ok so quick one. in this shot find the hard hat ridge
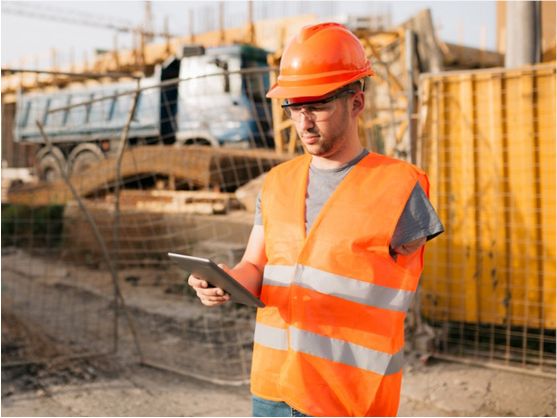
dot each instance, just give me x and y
(307, 31)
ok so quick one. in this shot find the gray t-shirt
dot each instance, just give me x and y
(418, 219)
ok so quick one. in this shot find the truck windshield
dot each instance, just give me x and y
(217, 82)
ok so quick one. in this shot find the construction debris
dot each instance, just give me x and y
(197, 167)
(199, 202)
(247, 194)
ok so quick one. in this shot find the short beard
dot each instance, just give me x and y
(326, 147)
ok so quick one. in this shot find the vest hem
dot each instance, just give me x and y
(309, 413)
(268, 398)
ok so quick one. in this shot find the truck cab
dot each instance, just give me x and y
(222, 98)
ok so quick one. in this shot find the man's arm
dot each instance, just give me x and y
(417, 224)
(249, 271)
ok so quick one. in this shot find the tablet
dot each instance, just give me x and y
(207, 270)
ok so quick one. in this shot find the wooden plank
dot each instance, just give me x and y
(545, 116)
(402, 128)
(493, 269)
(434, 289)
(202, 202)
(424, 118)
(467, 57)
(521, 186)
(374, 51)
(465, 204)
(531, 205)
(488, 72)
(445, 194)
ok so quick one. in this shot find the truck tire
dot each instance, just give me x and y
(84, 156)
(198, 141)
(48, 168)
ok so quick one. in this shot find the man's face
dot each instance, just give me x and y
(322, 128)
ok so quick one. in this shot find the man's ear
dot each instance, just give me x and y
(358, 103)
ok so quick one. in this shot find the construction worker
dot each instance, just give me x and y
(337, 246)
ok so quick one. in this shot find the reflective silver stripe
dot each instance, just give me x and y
(271, 337)
(355, 290)
(278, 275)
(346, 353)
(339, 286)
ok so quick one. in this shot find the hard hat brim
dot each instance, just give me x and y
(318, 90)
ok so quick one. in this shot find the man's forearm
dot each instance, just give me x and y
(249, 275)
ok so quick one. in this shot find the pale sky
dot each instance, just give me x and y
(24, 37)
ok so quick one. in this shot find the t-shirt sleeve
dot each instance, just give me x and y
(258, 219)
(418, 220)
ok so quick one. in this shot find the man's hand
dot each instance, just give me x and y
(249, 272)
(209, 296)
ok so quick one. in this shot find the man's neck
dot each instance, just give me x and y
(338, 159)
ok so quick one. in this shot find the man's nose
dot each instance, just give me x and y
(306, 121)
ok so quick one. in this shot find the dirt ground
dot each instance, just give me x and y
(442, 389)
(117, 385)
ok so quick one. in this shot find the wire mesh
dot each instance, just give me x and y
(166, 191)
(169, 191)
(40, 291)
(488, 143)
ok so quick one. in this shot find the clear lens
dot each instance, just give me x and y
(314, 112)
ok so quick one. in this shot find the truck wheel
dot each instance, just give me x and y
(48, 168)
(83, 161)
(84, 156)
(198, 141)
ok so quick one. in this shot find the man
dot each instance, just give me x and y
(337, 247)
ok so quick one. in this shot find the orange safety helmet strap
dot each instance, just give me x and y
(319, 60)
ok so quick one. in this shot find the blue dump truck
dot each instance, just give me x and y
(213, 96)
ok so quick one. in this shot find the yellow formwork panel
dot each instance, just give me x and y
(545, 83)
(436, 290)
(490, 214)
(522, 223)
(463, 199)
(488, 145)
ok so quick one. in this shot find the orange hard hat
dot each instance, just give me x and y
(319, 60)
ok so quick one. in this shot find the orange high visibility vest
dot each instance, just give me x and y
(330, 340)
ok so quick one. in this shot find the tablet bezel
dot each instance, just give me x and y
(207, 270)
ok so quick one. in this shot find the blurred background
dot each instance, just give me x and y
(131, 129)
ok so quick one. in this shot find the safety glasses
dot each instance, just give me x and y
(316, 111)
